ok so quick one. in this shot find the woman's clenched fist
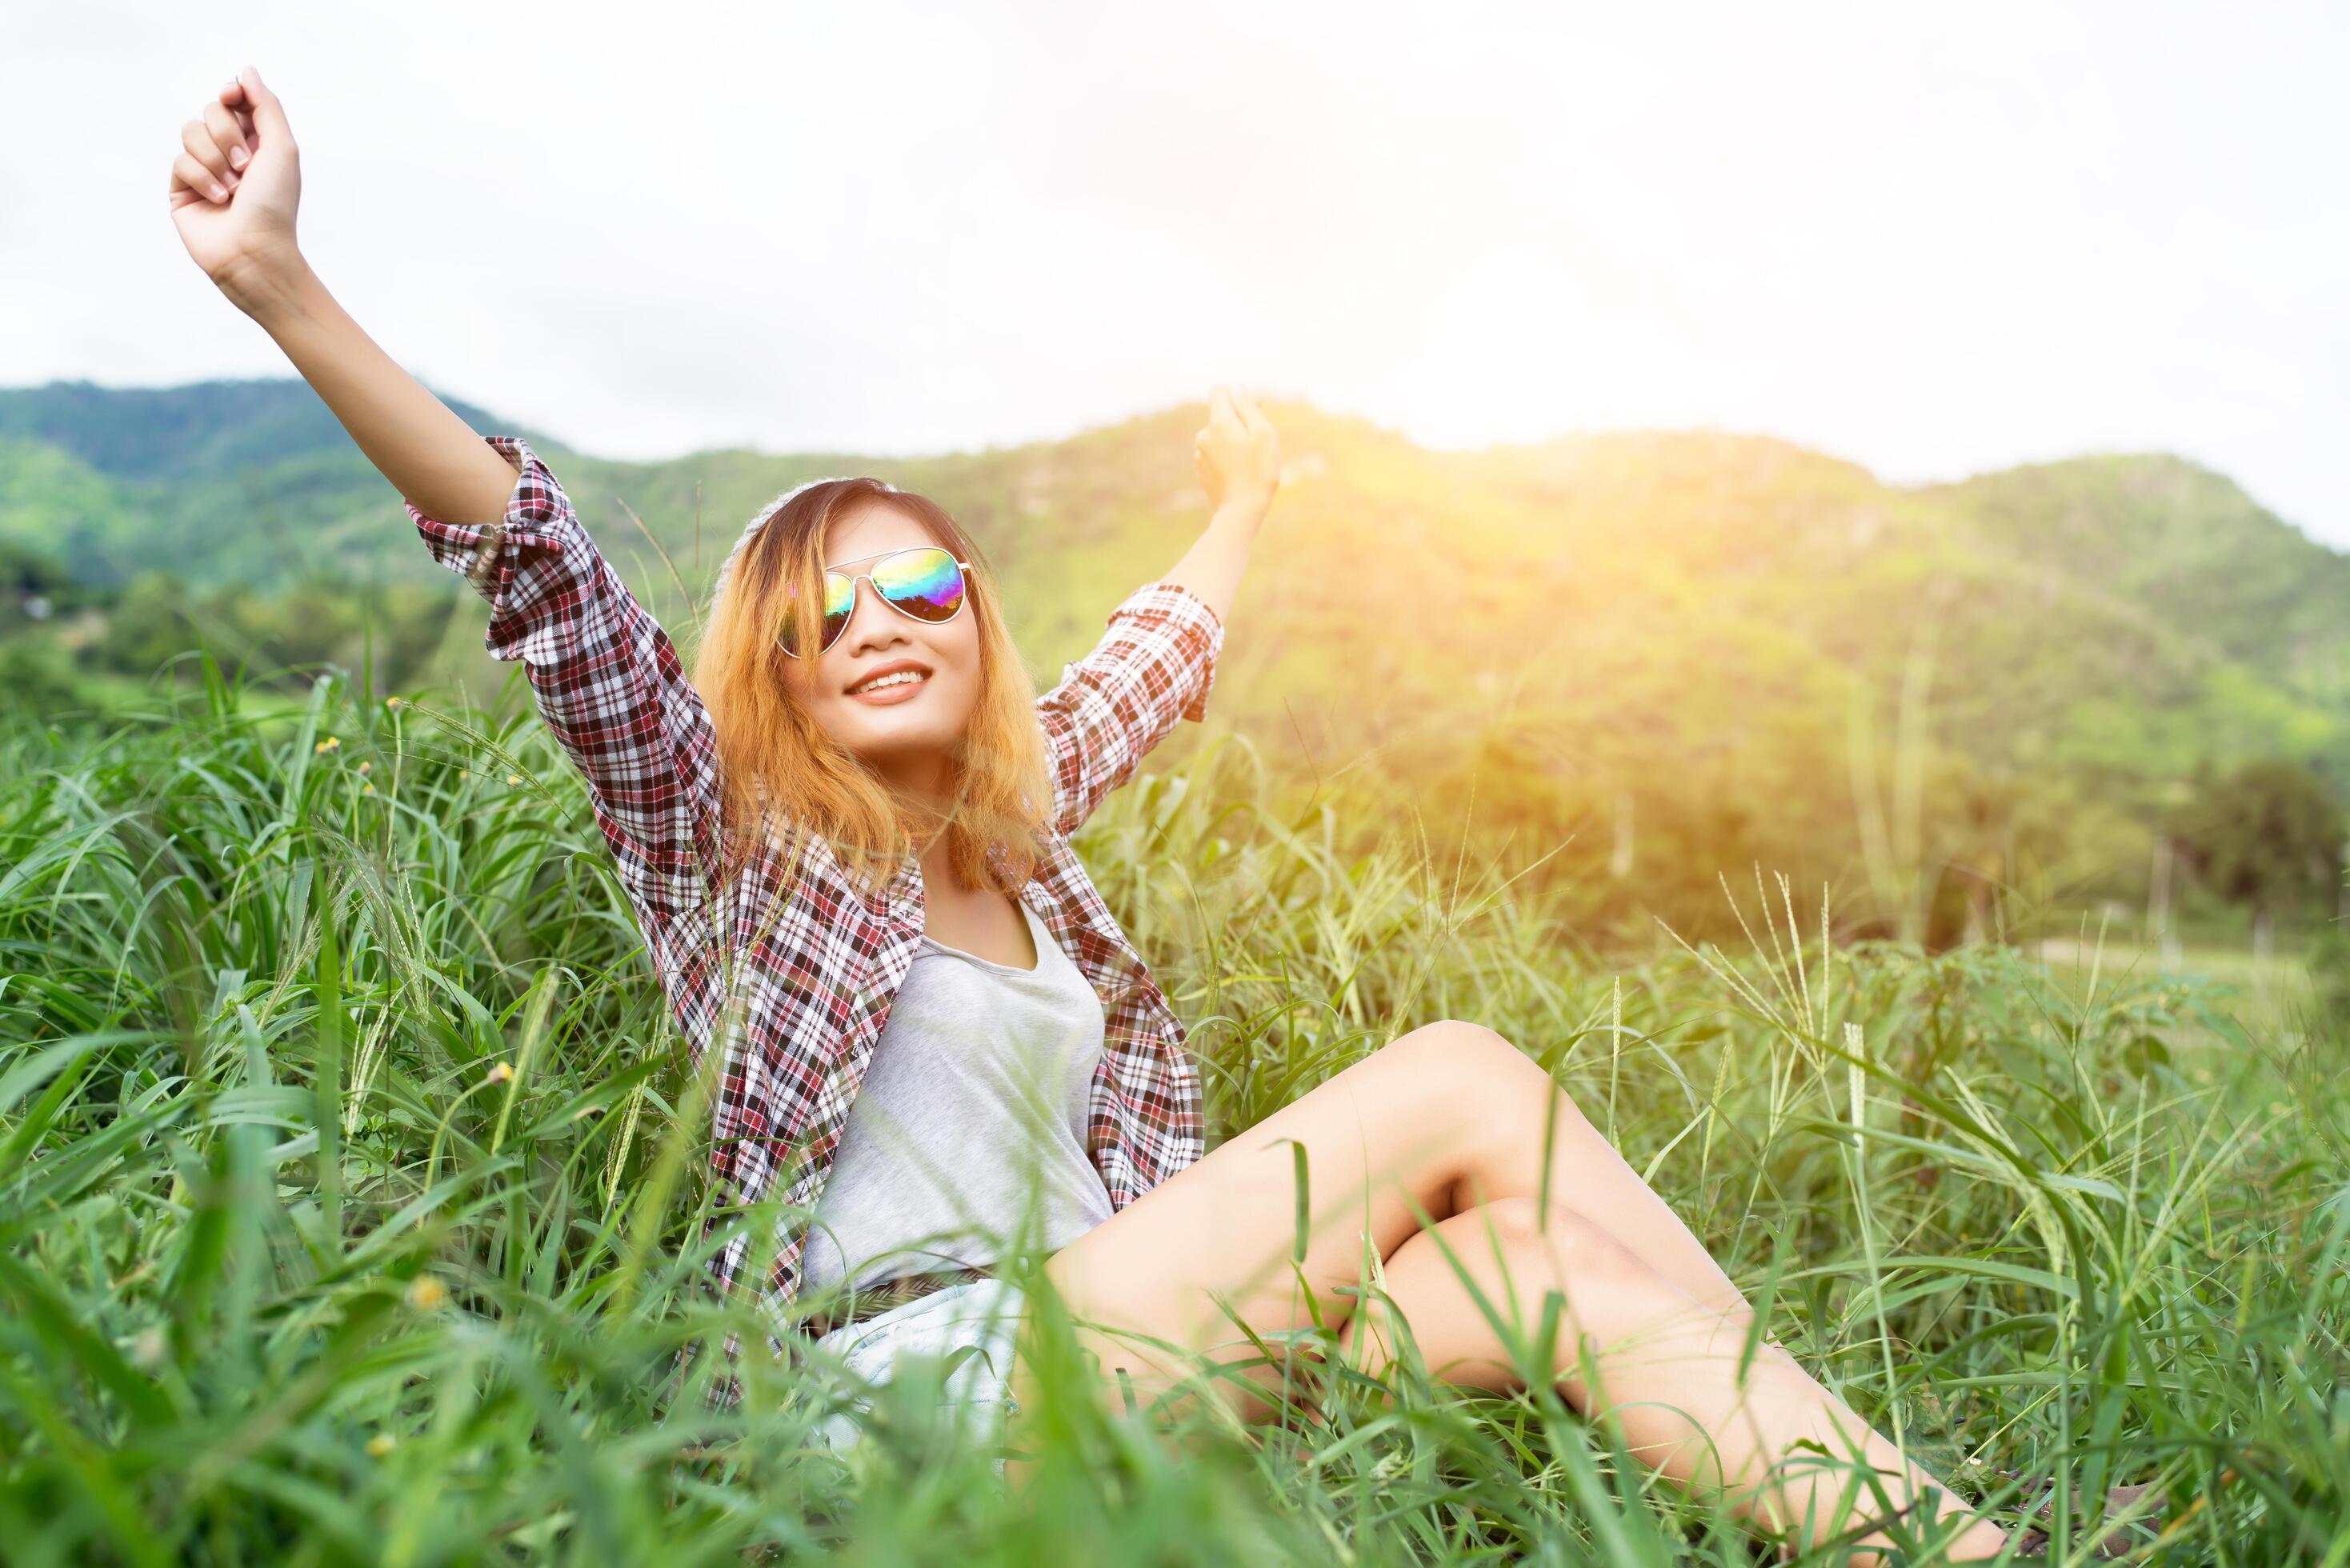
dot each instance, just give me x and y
(234, 187)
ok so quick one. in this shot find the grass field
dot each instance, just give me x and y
(348, 1181)
(2269, 995)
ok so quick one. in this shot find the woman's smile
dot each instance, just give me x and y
(892, 682)
(891, 693)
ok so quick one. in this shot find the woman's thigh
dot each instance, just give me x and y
(1405, 1131)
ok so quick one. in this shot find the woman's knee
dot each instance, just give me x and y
(1510, 1096)
(1454, 1053)
(1564, 1242)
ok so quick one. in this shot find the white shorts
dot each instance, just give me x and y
(976, 1322)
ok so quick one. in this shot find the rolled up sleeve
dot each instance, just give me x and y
(610, 685)
(1154, 667)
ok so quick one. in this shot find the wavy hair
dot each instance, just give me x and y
(783, 774)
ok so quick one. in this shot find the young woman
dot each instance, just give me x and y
(847, 841)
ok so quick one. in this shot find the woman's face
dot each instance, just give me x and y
(904, 731)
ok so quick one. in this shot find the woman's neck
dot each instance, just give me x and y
(938, 865)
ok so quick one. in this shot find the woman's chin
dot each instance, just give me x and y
(888, 748)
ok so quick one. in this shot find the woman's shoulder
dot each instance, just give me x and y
(790, 862)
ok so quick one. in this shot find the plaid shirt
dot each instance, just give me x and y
(806, 967)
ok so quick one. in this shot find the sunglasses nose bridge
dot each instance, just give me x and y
(870, 592)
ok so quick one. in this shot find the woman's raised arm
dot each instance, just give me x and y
(606, 678)
(1157, 662)
(1237, 455)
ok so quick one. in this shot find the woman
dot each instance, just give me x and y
(836, 796)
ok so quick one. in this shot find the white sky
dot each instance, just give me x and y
(1934, 240)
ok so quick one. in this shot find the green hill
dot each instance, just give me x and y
(1685, 651)
(250, 482)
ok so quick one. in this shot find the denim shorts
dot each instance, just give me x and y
(980, 1318)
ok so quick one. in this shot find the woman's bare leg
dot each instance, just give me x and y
(1674, 1376)
(1442, 1119)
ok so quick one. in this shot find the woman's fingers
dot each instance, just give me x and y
(190, 182)
(238, 162)
(227, 135)
(270, 130)
(198, 141)
(239, 108)
(1236, 404)
(239, 103)
(199, 182)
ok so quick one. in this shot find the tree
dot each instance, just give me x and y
(2269, 834)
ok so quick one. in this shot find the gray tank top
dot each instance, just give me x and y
(967, 1136)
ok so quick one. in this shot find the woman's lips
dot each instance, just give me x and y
(890, 696)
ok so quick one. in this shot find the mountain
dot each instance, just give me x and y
(208, 431)
(2185, 545)
(1687, 650)
(250, 480)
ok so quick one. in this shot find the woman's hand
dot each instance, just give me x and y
(1238, 454)
(241, 148)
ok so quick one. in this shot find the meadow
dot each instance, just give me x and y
(351, 1201)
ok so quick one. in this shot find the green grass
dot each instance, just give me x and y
(291, 1275)
(2271, 995)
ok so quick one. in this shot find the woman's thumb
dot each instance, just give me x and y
(269, 114)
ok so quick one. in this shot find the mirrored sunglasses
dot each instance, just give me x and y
(925, 582)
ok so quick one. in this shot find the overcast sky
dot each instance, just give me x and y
(1934, 240)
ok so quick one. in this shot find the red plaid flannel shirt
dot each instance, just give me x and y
(808, 966)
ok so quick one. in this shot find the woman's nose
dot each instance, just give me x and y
(862, 614)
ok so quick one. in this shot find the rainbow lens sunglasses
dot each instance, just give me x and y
(924, 581)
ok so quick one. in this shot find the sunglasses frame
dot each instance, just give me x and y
(963, 569)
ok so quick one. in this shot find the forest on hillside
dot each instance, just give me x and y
(1628, 666)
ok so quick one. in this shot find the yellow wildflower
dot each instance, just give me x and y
(501, 1074)
(380, 1443)
(426, 1293)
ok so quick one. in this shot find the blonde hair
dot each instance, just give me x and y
(783, 774)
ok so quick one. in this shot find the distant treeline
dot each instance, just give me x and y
(60, 639)
(1634, 663)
